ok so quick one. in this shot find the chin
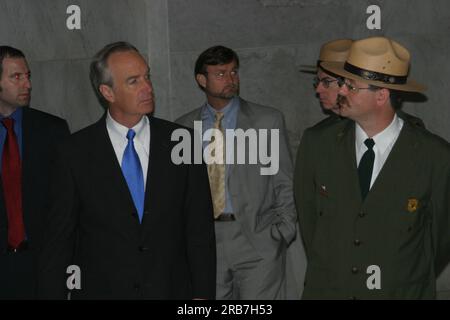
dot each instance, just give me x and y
(147, 107)
(149, 110)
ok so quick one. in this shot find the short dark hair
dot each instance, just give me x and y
(214, 56)
(395, 96)
(9, 52)
(99, 72)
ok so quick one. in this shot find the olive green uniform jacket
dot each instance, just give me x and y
(401, 230)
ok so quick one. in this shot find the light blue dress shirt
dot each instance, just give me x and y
(228, 122)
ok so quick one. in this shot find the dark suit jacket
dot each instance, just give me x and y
(93, 223)
(41, 132)
(402, 226)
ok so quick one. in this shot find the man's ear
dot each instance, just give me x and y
(382, 96)
(107, 93)
(201, 80)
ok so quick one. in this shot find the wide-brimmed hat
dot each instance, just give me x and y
(378, 61)
(335, 51)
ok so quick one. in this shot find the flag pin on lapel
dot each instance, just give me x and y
(323, 190)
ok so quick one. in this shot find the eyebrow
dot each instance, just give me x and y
(223, 68)
(131, 77)
(29, 72)
(137, 75)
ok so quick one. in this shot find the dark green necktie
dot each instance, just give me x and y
(366, 167)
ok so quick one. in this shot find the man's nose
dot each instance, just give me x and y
(27, 83)
(320, 87)
(148, 85)
(343, 90)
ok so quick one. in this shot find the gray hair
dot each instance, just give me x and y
(99, 71)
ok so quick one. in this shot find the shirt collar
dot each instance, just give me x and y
(382, 139)
(16, 115)
(120, 131)
(210, 112)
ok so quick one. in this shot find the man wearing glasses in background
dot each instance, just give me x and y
(326, 83)
(255, 217)
(372, 189)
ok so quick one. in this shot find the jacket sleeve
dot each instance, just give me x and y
(59, 232)
(284, 206)
(304, 189)
(200, 234)
(441, 216)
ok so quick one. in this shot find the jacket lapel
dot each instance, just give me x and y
(160, 151)
(105, 164)
(244, 122)
(154, 165)
(30, 145)
(347, 171)
(401, 155)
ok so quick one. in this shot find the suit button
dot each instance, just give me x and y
(410, 229)
(355, 270)
(357, 242)
(143, 248)
(320, 213)
(361, 214)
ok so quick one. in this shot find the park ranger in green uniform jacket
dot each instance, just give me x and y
(373, 190)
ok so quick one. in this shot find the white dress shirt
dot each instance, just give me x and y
(118, 136)
(384, 141)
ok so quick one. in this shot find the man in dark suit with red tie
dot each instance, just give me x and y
(27, 143)
(136, 224)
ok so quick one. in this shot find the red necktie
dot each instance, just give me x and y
(12, 186)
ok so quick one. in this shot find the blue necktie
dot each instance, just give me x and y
(132, 171)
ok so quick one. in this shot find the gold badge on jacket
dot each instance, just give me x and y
(413, 205)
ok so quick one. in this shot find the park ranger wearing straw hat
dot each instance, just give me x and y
(375, 218)
(326, 83)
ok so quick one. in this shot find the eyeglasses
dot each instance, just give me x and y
(326, 82)
(351, 87)
(220, 75)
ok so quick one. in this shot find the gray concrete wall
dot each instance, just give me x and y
(59, 58)
(272, 37)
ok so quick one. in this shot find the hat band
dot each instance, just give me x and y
(375, 76)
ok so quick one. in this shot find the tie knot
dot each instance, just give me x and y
(8, 123)
(219, 116)
(369, 143)
(131, 134)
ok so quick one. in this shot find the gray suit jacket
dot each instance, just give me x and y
(263, 204)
